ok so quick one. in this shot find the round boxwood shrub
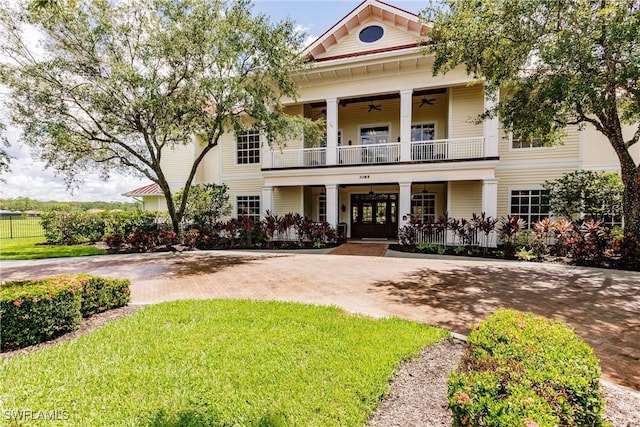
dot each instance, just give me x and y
(520, 369)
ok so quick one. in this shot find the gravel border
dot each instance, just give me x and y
(418, 392)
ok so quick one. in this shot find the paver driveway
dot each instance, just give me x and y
(602, 305)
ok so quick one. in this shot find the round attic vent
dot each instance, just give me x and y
(371, 34)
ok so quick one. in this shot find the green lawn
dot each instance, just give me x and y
(218, 363)
(18, 227)
(31, 248)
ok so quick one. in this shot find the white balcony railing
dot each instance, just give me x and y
(299, 157)
(448, 149)
(369, 154)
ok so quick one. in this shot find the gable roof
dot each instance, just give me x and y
(148, 190)
(364, 13)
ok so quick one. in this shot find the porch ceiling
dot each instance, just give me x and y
(381, 97)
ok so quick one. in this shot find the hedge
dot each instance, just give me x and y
(524, 370)
(33, 311)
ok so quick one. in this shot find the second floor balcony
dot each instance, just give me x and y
(388, 153)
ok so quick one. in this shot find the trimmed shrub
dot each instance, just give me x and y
(524, 370)
(33, 311)
(101, 293)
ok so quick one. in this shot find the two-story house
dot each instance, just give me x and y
(399, 141)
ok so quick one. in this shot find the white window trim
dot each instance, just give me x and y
(374, 125)
(321, 195)
(263, 140)
(372, 23)
(510, 189)
(235, 206)
(435, 128)
(435, 203)
(519, 150)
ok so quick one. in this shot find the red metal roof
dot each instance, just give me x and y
(147, 190)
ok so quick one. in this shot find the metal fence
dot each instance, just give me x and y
(18, 227)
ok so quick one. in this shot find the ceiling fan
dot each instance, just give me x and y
(425, 101)
(321, 113)
(374, 107)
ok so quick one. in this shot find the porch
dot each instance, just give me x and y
(379, 210)
(366, 154)
(423, 125)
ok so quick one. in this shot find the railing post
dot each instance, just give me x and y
(10, 228)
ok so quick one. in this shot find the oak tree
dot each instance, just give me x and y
(558, 63)
(116, 85)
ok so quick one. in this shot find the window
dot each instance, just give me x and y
(527, 143)
(248, 206)
(423, 132)
(371, 34)
(530, 205)
(322, 207)
(423, 206)
(374, 135)
(248, 146)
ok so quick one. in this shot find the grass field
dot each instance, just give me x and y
(33, 248)
(18, 227)
(218, 363)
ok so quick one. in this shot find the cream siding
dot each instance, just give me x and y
(465, 198)
(151, 203)
(468, 103)
(569, 149)
(523, 179)
(243, 187)
(350, 43)
(176, 165)
(210, 167)
(287, 199)
(597, 153)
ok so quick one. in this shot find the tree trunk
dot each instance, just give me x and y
(631, 200)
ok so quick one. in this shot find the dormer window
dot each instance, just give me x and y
(371, 34)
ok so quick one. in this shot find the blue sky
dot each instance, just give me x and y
(30, 179)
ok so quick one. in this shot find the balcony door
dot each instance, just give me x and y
(374, 216)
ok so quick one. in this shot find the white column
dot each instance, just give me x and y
(267, 200)
(404, 209)
(405, 124)
(490, 204)
(490, 125)
(332, 131)
(267, 153)
(490, 197)
(332, 205)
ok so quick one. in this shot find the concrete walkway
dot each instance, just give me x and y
(602, 305)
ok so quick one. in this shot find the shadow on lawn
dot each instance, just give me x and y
(198, 419)
(602, 305)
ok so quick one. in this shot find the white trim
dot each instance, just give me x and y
(614, 167)
(449, 112)
(435, 128)
(261, 136)
(435, 201)
(374, 125)
(524, 164)
(529, 149)
(367, 24)
(510, 189)
(246, 194)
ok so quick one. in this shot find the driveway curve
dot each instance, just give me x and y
(602, 305)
